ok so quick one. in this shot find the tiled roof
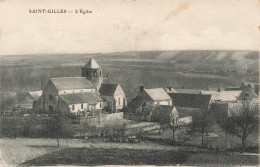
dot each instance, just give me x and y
(158, 94)
(131, 94)
(92, 64)
(108, 80)
(190, 100)
(85, 97)
(137, 102)
(228, 95)
(68, 83)
(107, 89)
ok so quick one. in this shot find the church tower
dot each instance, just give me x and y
(93, 72)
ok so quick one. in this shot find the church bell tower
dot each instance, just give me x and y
(93, 72)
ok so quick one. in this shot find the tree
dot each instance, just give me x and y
(59, 127)
(242, 121)
(201, 121)
(147, 110)
(166, 116)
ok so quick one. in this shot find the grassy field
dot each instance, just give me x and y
(33, 152)
(217, 139)
(90, 156)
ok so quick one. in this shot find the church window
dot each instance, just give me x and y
(100, 72)
(100, 105)
(81, 106)
(119, 101)
(73, 107)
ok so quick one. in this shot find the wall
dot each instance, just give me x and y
(122, 97)
(61, 92)
(50, 90)
(136, 117)
(102, 120)
(164, 103)
(86, 106)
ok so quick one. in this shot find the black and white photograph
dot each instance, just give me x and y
(129, 83)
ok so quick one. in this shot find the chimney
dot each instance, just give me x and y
(141, 88)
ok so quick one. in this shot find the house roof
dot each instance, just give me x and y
(137, 102)
(68, 83)
(190, 100)
(92, 64)
(186, 91)
(107, 89)
(131, 94)
(85, 97)
(35, 94)
(157, 94)
(227, 95)
(108, 98)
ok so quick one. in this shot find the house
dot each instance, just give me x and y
(232, 95)
(87, 93)
(189, 98)
(156, 96)
(251, 85)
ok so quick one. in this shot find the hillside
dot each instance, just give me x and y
(191, 69)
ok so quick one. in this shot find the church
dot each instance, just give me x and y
(88, 93)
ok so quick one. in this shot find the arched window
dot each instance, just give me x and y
(100, 72)
(100, 105)
(81, 106)
(73, 107)
(118, 101)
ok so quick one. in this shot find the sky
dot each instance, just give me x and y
(128, 25)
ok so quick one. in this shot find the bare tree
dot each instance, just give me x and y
(201, 121)
(243, 121)
(166, 116)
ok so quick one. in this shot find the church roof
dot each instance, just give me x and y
(107, 89)
(92, 64)
(84, 97)
(108, 80)
(68, 83)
